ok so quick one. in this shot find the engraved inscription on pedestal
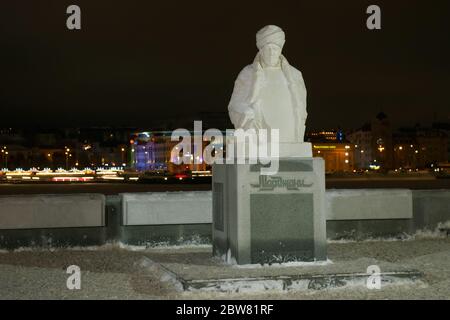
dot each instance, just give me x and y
(269, 183)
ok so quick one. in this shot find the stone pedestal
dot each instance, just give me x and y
(270, 219)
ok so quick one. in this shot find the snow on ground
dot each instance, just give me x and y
(116, 271)
(284, 264)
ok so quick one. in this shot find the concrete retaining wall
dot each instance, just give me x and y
(163, 208)
(368, 204)
(179, 217)
(431, 207)
(52, 211)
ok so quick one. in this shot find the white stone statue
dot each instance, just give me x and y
(271, 94)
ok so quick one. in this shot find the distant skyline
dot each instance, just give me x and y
(134, 62)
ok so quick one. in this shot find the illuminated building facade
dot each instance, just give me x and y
(332, 146)
(362, 143)
(338, 156)
(152, 151)
(326, 135)
(64, 148)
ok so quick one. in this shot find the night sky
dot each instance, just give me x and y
(135, 62)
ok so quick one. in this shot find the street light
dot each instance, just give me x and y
(123, 155)
(4, 156)
(67, 158)
(50, 159)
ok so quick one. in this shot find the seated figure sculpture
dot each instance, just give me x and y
(271, 94)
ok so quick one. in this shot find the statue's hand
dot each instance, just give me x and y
(249, 114)
(244, 120)
(249, 119)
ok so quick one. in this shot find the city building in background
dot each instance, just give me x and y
(338, 156)
(377, 146)
(332, 146)
(373, 144)
(152, 151)
(420, 147)
(333, 135)
(64, 148)
(361, 139)
(444, 127)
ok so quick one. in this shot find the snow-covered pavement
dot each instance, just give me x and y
(115, 272)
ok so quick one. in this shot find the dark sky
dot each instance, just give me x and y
(137, 61)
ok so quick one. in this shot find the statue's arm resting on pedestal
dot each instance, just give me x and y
(242, 120)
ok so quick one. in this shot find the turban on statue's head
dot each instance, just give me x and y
(270, 34)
